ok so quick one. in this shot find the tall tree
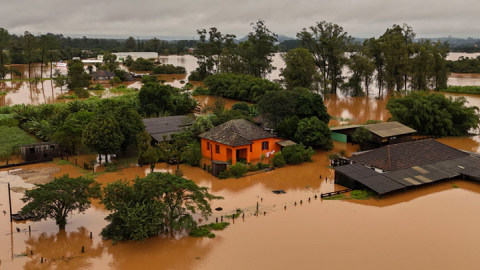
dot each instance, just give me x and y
(103, 135)
(29, 47)
(257, 51)
(328, 43)
(130, 44)
(77, 77)
(59, 198)
(375, 51)
(4, 42)
(300, 69)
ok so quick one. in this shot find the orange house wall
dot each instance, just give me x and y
(254, 154)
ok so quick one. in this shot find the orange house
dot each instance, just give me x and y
(238, 139)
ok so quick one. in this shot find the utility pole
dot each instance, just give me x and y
(10, 203)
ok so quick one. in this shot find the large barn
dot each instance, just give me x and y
(400, 166)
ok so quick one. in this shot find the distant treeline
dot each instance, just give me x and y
(465, 65)
(20, 49)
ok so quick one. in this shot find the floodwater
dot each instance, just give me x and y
(31, 93)
(439, 221)
(432, 227)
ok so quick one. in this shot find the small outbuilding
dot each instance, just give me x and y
(382, 133)
(40, 151)
(103, 75)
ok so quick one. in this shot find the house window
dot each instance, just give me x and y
(251, 147)
(32, 151)
(264, 146)
(208, 146)
(217, 149)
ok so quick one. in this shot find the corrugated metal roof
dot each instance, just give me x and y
(286, 143)
(390, 129)
(409, 154)
(345, 127)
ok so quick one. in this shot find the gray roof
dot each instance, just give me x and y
(409, 154)
(236, 132)
(286, 143)
(370, 178)
(390, 129)
(383, 130)
(39, 144)
(166, 126)
(103, 73)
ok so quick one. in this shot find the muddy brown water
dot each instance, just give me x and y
(433, 227)
(438, 220)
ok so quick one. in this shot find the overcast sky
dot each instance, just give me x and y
(180, 18)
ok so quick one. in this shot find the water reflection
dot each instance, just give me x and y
(62, 250)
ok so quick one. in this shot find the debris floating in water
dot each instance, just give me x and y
(218, 209)
(280, 191)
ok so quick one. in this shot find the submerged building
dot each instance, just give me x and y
(404, 165)
(237, 139)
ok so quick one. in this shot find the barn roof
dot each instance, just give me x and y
(236, 132)
(409, 154)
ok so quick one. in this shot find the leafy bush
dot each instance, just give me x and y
(296, 154)
(98, 87)
(8, 120)
(195, 76)
(141, 64)
(225, 174)
(193, 154)
(252, 167)
(238, 169)
(434, 114)
(67, 97)
(361, 194)
(278, 160)
(110, 167)
(82, 93)
(169, 69)
(149, 79)
(470, 89)
(241, 106)
(200, 91)
(361, 135)
(242, 87)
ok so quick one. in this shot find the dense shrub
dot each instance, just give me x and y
(434, 114)
(149, 79)
(238, 169)
(242, 87)
(296, 154)
(141, 64)
(278, 160)
(169, 69)
(200, 91)
(195, 76)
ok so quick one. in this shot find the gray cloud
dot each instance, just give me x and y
(180, 18)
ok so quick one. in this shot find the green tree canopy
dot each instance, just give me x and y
(300, 70)
(361, 135)
(103, 135)
(315, 133)
(77, 77)
(434, 114)
(61, 197)
(153, 204)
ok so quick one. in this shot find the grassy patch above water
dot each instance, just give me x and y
(2, 93)
(236, 215)
(68, 97)
(206, 230)
(356, 195)
(336, 197)
(63, 162)
(455, 186)
(361, 194)
(463, 89)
